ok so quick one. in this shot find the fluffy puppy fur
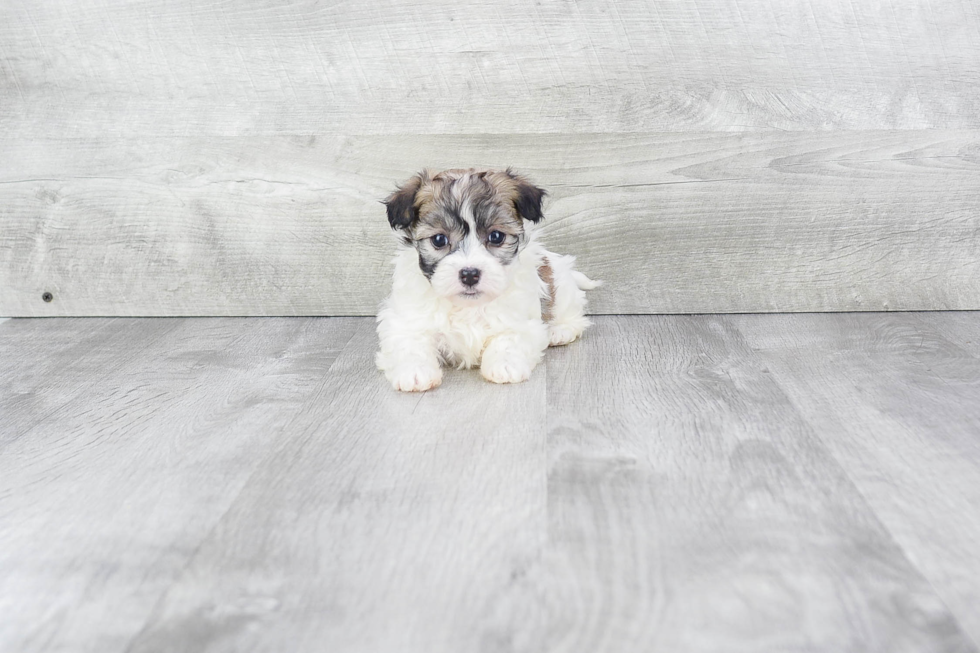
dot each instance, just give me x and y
(472, 286)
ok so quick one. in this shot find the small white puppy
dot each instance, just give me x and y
(472, 286)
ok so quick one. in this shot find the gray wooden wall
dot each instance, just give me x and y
(185, 157)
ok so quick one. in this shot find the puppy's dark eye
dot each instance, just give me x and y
(439, 241)
(496, 237)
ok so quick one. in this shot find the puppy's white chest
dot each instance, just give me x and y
(463, 338)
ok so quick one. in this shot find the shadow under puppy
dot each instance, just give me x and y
(472, 286)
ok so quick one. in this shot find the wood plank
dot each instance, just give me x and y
(674, 223)
(178, 68)
(692, 508)
(898, 404)
(101, 509)
(385, 522)
(50, 362)
(961, 329)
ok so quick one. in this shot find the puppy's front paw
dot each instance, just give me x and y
(505, 371)
(562, 334)
(415, 379)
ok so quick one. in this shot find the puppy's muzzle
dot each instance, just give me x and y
(469, 277)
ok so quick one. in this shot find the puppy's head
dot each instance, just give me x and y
(468, 227)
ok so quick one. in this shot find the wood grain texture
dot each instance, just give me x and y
(180, 68)
(673, 483)
(103, 503)
(674, 223)
(897, 401)
(960, 329)
(50, 364)
(703, 156)
(386, 522)
(692, 508)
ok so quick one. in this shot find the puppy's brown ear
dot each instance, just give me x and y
(527, 197)
(401, 204)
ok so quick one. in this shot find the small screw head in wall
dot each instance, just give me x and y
(47, 297)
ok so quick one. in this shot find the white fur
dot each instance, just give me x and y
(423, 325)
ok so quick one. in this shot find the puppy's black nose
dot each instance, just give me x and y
(469, 276)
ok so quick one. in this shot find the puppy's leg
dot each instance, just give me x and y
(409, 359)
(410, 364)
(568, 319)
(511, 356)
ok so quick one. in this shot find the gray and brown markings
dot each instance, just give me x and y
(435, 213)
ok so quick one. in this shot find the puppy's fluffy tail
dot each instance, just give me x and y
(583, 282)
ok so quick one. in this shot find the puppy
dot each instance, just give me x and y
(472, 286)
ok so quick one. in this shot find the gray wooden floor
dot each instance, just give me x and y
(685, 483)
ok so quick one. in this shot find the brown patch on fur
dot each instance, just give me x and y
(546, 274)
